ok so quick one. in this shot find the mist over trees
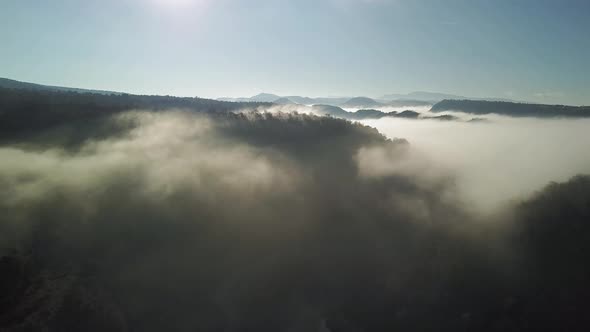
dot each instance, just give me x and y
(34, 110)
(123, 213)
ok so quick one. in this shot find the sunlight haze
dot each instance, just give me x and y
(526, 50)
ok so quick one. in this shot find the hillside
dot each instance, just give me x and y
(284, 101)
(13, 84)
(362, 102)
(511, 109)
(30, 110)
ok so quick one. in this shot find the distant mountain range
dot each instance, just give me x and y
(272, 98)
(364, 102)
(326, 106)
(346, 102)
(365, 114)
(413, 99)
(435, 97)
(29, 109)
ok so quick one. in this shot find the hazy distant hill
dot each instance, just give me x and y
(265, 98)
(434, 97)
(422, 96)
(268, 97)
(302, 100)
(362, 102)
(511, 109)
(357, 102)
(260, 98)
(331, 100)
(408, 103)
(334, 111)
(284, 101)
(365, 114)
(13, 84)
(338, 112)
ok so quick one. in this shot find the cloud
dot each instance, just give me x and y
(233, 200)
(500, 160)
(175, 220)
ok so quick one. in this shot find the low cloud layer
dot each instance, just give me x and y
(501, 159)
(236, 201)
(183, 221)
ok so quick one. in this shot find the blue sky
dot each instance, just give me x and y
(536, 50)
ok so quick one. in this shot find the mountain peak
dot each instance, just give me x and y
(265, 97)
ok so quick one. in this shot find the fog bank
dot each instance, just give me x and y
(500, 159)
(214, 221)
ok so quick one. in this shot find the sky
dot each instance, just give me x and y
(530, 50)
